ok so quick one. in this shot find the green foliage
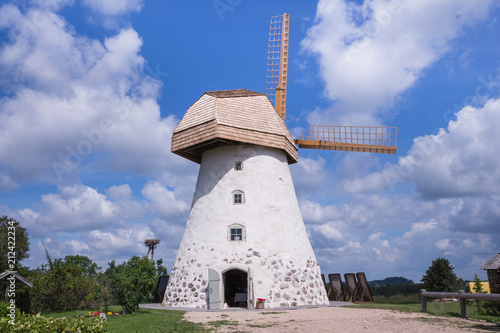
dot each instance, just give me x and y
(394, 280)
(389, 290)
(41, 324)
(87, 266)
(478, 288)
(132, 282)
(440, 277)
(160, 269)
(491, 308)
(64, 284)
(4, 310)
(104, 293)
(10, 255)
(398, 298)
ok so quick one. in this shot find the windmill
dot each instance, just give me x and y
(245, 237)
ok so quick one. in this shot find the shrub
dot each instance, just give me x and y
(40, 324)
(64, 285)
(4, 311)
(132, 281)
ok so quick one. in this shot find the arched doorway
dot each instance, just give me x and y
(235, 288)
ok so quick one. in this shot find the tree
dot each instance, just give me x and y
(478, 288)
(14, 244)
(63, 285)
(132, 281)
(440, 277)
(87, 266)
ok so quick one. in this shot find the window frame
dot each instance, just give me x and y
(238, 166)
(236, 226)
(240, 200)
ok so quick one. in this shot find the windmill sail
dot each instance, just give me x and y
(277, 63)
(368, 139)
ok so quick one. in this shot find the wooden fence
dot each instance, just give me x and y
(461, 295)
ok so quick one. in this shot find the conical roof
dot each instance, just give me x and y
(231, 117)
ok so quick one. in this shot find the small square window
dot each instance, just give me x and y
(236, 234)
(238, 198)
(238, 166)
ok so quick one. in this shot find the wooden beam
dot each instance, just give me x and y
(342, 146)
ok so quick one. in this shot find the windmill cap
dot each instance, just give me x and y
(231, 117)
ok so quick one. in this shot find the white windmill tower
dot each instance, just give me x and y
(245, 237)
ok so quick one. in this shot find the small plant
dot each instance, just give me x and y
(260, 300)
(38, 323)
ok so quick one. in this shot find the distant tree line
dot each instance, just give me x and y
(394, 286)
(76, 282)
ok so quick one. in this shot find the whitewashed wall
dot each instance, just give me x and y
(276, 249)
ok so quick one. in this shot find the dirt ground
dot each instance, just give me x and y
(334, 319)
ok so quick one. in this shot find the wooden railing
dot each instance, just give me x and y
(372, 139)
(461, 295)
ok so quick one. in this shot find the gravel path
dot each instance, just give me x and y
(334, 319)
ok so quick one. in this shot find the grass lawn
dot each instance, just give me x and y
(149, 320)
(438, 309)
(144, 320)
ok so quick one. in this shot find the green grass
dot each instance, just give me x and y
(437, 309)
(224, 322)
(272, 312)
(149, 320)
(144, 320)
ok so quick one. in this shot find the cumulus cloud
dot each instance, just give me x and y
(458, 160)
(454, 208)
(163, 201)
(455, 167)
(96, 89)
(372, 52)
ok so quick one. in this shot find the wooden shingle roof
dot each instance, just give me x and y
(493, 263)
(231, 117)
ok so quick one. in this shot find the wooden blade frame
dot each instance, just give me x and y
(369, 139)
(277, 62)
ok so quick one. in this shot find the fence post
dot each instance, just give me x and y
(423, 300)
(463, 304)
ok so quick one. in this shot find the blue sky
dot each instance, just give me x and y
(92, 90)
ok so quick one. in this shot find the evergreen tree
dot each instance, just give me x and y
(440, 277)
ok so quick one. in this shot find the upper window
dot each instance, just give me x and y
(238, 166)
(238, 197)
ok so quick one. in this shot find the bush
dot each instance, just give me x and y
(64, 285)
(132, 281)
(40, 324)
(4, 311)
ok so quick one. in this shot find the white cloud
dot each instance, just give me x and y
(454, 168)
(371, 53)
(77, 208)
(163, 201)
(458, 161)
(114, 7)
(97, 90)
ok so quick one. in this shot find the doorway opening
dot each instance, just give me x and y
(236, 288)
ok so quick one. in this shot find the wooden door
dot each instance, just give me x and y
(213, 289)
